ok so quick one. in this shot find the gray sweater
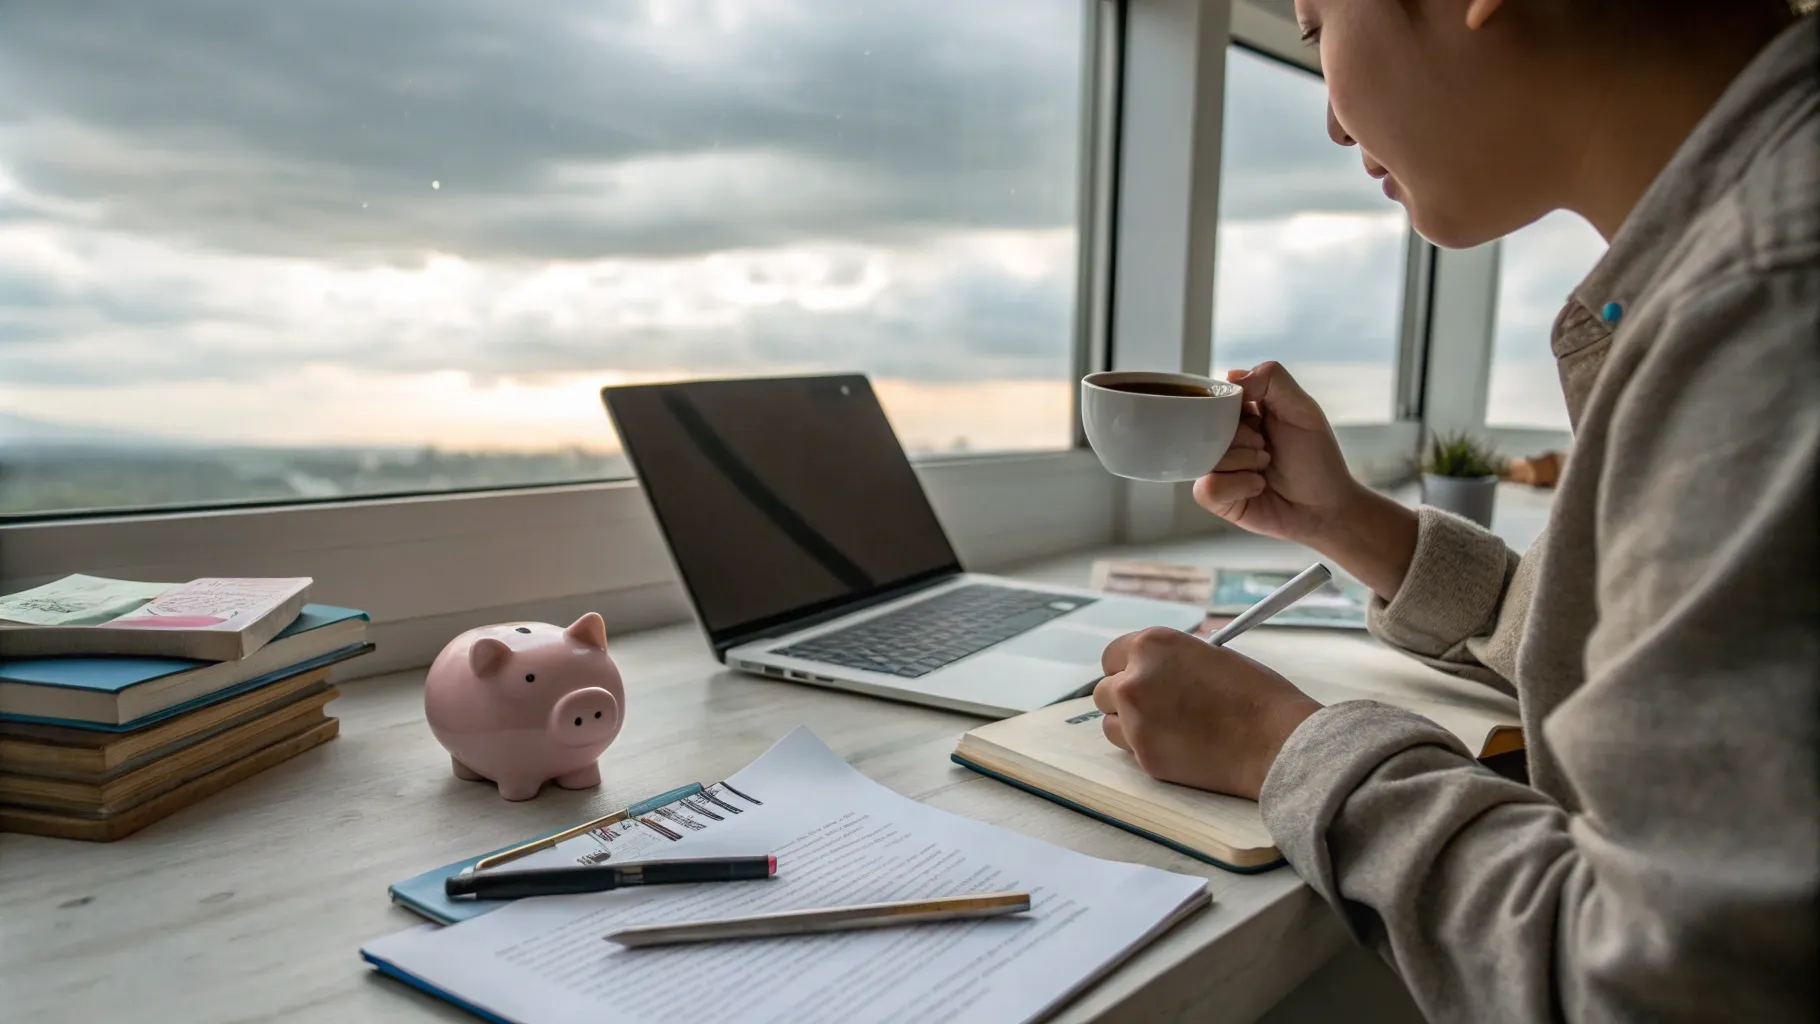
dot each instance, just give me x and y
(1662, 637)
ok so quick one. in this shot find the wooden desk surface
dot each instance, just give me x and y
(253, 904)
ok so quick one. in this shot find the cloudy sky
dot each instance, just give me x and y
(451, 221)
(1539, 266)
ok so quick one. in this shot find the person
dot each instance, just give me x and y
(1662, 637)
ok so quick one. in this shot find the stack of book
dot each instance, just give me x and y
(123, 702)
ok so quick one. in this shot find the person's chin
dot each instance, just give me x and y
(1441, 228)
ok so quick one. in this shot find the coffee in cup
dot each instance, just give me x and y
(1159, 427)
(1176, 389)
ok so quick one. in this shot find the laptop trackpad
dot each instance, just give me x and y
(1067, 645)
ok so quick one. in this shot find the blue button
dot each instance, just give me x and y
(1613, 312)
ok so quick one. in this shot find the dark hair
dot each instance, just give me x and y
(1662, 11)
(1690, 19)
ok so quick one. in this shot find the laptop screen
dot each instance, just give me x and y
(780, 498)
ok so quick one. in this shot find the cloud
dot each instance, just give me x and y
(1310, 288)
(232, 198)
(552, 130)
(1278, 159)
(94, 307)
(1539, 267)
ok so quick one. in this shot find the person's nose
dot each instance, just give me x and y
(1335, 132)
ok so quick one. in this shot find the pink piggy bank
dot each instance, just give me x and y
(526, 702)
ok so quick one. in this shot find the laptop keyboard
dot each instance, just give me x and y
(918, 639)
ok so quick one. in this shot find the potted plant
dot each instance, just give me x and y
(1460, 475)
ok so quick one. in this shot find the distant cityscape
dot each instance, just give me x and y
(40, 478)
(37, 479)
(56, 469)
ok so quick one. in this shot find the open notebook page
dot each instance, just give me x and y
(1340, 667)
(840, 838)
(1070, 738)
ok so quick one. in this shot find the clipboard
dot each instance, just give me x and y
(423, 894)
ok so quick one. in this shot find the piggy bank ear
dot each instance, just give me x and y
(487, 655)
(590, 629)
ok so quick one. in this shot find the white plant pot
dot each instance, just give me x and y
(1473, 497)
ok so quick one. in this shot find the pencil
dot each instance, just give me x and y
(826, 919)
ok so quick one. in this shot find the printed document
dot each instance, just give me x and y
(840, 839)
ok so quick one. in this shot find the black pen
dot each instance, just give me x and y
(511, 885)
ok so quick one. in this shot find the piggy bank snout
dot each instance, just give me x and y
(586, 717)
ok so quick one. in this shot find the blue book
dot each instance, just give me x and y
(424, 893)
(119, 694)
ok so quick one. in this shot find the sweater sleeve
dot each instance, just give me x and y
(1682, 883)
(1462, 603)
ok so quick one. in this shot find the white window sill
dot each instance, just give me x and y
(426, 568)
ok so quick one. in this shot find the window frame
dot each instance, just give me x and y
(1449, 321)
(1378, 453)
(1463, 327)
(427, 566)
(1515, 439)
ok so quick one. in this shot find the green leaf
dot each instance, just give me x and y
(1461, 455)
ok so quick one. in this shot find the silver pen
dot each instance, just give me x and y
(1305, 582)
(826, 919)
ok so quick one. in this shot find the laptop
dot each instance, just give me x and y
(810, 553)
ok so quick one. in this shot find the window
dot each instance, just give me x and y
(1311, 251)
(279, 252)
(1539, 267)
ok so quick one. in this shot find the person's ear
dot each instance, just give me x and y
(1478, 12)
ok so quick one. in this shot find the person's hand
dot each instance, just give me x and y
(1284, 475)
(1196, 714)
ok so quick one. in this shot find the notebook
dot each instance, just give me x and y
(120, 694)
(839, 839)
(1061, 752)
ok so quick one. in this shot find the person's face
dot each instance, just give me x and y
(1444, 113)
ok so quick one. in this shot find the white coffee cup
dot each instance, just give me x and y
(1160, 427)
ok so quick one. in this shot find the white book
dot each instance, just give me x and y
(839, 839)
(211, 619)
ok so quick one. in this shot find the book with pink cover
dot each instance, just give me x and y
(210, 619)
